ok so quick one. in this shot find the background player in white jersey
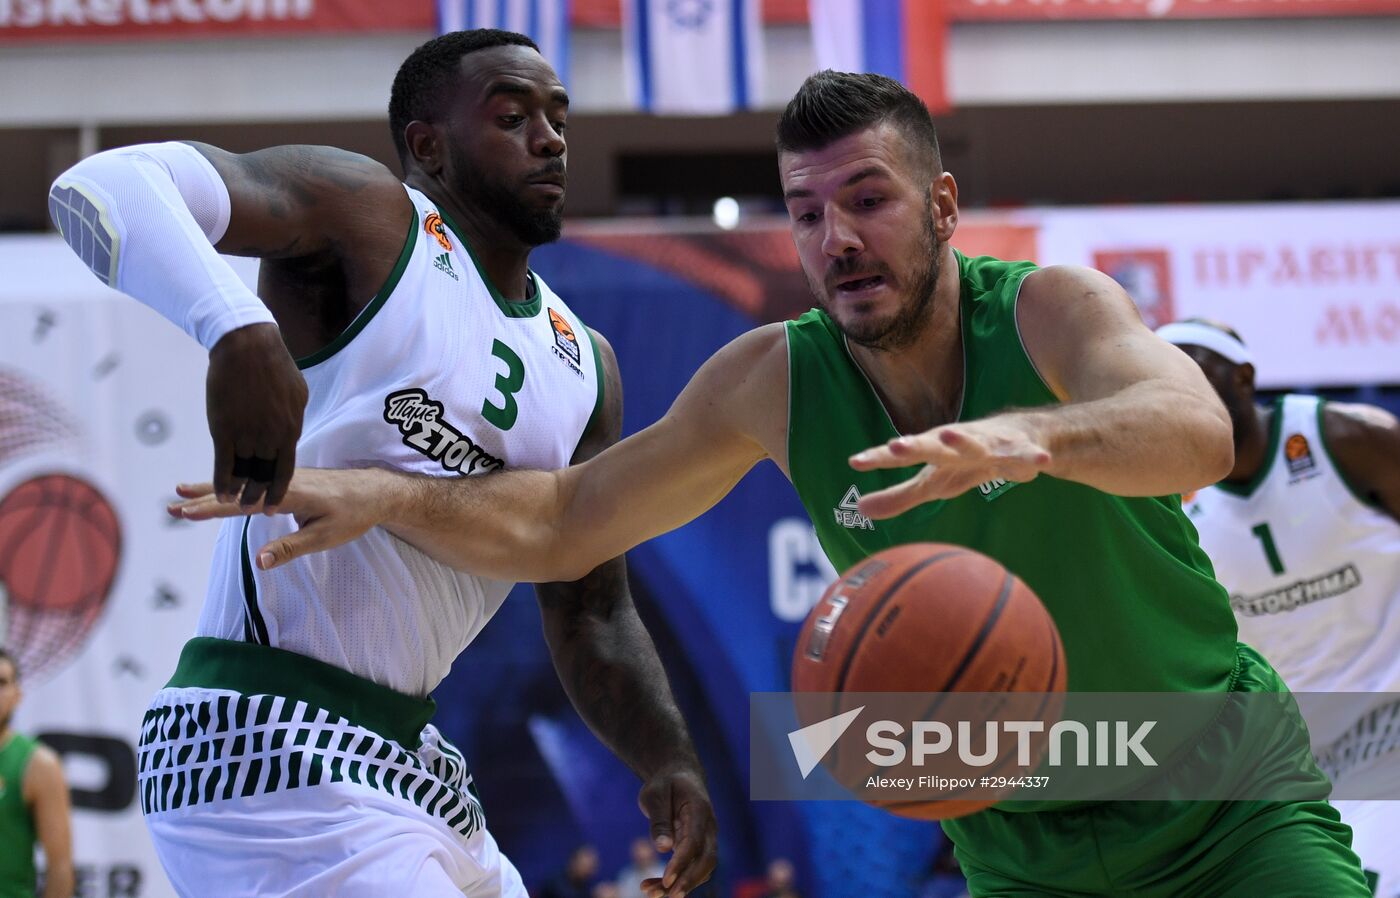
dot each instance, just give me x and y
(291, 753)
(1305, 533)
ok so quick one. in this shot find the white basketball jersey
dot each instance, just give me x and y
(1313, 572)
(439, 376)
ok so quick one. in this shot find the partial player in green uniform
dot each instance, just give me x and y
(33, 805)
(1022, 412)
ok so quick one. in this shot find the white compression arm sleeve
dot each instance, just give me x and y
(145, 219)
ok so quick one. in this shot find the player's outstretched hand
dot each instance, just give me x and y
(955, 458)
(682, 821)
(331, 508)
(256, 397)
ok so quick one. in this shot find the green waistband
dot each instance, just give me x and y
(262, 670)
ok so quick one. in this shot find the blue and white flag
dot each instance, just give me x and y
(693, 57)
(546, 22)
(902, 39)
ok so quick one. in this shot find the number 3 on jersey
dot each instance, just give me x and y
(509, 383)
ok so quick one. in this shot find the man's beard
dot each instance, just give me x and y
(910, 321)
(532, 227)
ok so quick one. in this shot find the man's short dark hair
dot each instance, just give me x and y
(425, 75)
(832, 105)
(14, 665)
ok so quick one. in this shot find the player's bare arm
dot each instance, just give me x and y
(609, 667)
(46, 794)
(1139, 418)
(316, 215)
(538, 526)
(1365, 442)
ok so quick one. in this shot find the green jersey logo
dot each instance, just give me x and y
(993, 488)
(848, 512)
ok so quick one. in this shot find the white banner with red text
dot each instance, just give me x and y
(1313, 288)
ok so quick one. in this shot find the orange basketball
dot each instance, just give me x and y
(59, 544)
(928, 618)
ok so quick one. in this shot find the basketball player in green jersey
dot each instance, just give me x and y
(33, 805)
(1024, 413)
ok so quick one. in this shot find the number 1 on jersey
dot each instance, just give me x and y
(1270, 550)
(503, 416)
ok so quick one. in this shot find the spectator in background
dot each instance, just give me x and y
(33, 804)
(606, 890)
(645, 865)
(781, 878)
(576, 880)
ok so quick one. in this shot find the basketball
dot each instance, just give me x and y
(927, 618)
(60, 542)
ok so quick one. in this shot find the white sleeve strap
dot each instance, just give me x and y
(145, 219)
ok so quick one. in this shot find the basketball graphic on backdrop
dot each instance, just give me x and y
(60, 540)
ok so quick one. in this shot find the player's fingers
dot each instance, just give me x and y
(680, 872)
(958, 440)
(903, 452)
(204, 508)
(194, 490)
(252, 496)
(899, 498)
(316, 536)
(652, 888)
(223, 468)
(281, 479)
(693, 870)
(676, 867)
(661, 835)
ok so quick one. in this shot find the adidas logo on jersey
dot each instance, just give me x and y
(848, 512)
(443, 263)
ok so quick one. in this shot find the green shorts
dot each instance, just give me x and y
(1199, 849)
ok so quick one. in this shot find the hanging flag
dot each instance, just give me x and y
(903, 39)
(693, 57)
(546, 22)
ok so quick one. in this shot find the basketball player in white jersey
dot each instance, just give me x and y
(1305, 533)
(291, 753)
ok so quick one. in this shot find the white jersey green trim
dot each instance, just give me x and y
(439, 380)
(527, 309)
(1312, 568)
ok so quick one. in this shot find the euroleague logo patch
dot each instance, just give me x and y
(437, 230)
(420, 421)
(564, 336)
(1298, 454)
(565, 346)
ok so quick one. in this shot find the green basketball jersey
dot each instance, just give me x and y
(1132, 593)
(17, 835)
